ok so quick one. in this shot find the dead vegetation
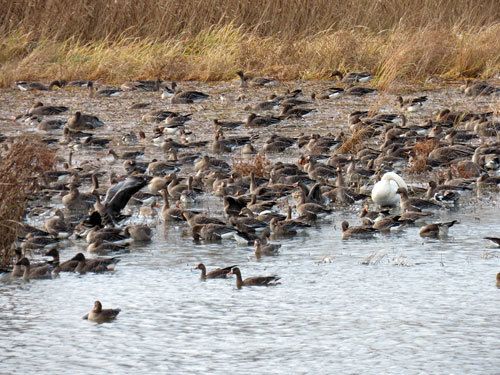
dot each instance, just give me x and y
(420, 154)
(354, 143)
(118, 40)
(258, 164)
(20, 167)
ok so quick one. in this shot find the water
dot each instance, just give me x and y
(396, 304)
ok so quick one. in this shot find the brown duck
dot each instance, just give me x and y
(254, 281)
(219, 273)
(100, 315)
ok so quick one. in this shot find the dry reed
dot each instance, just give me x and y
(20, 167)
(258, 164)
(420, 153)
(354, 143)
(209, 40)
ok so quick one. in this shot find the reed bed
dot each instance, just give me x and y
(209, 40)
(20, 167)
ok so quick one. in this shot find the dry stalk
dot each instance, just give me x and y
(258, 164)
(20, 167)
(354, 143)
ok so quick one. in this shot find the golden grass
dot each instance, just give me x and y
(258, 164)
(20, 167)
(209, 40)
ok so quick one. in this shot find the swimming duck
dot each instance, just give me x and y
(139, 233)
(254, 281)
(436, 230)
(200, 219)
(67, 266)
(211, 232)
(44, 272)
(76, 201)
(304, 207)
(100, 315)
(57, 226)
(495, 240)
(99, 247)
(268, 249)
(219, 273)
(98, 265)
(384, 192)
(358, 231)
(414, 204)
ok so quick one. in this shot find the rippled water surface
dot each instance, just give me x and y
(396, 304)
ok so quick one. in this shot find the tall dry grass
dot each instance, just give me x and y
(211, 39)
(20, 167)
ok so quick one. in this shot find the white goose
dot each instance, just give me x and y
(384, 191)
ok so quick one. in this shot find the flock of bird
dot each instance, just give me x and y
(259, 197)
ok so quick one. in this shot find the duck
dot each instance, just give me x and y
(186, 97)
(211, 232)
(414, 204)
(98, 265)
(139, 233)
(357, 232)
(104, 92)
(100, 315)
(352, 77)
(246, 80)
(359, 90)
(99, 247)
(436, 230)
(170, 213)
(67, 266)
(38, 109)
(254, 281)
(76, 201)
(218, 273)
(82, 121)
(57, 226)
(411, 104)
(495, 240)
(267, 249)
(290, 111)
(498, 280)
(141, 85)
(119, 194)
(283, 228)
(303, 207)
(43, 272)
(247, 224)
(261, 121)
(218, 124)
(384, 192)
(30, 85)
(200, 219)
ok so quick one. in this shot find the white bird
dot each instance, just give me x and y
(384, 192)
